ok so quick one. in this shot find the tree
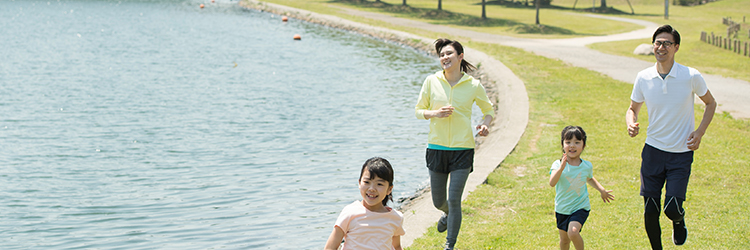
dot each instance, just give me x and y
(536, 5)
(440, 4)
(404, 2)
(604, 4)
(484, 13)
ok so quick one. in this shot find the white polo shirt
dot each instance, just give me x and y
(670, 105)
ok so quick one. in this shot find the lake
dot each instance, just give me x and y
(161, 125)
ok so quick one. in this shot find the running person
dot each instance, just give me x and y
(668, 89)
(446, 100)
(370, 224)
(569, 176)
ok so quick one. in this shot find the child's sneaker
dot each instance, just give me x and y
(680, 233)
(442, 224)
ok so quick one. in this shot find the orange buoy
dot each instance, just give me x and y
(213, 1)
(284, 18)
(202, 6)
(297, 37)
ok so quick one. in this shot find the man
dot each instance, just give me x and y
(667, 88)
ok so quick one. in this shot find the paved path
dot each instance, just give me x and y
(733, 95)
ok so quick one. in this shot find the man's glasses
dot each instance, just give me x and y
(665, 43)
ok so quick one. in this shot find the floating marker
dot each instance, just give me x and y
(297, 37)
(202, 6)
(284, 18)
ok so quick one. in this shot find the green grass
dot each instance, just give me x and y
(502, 19)
(561, 21)
(690, 22)
(515, 209)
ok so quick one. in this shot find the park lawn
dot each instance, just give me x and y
(561, 21)
(329, 7)
(690, 22)
(513, 20)
(515, 209)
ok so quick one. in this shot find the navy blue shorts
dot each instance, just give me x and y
(658, 167)
(445, 161)
(563, 220)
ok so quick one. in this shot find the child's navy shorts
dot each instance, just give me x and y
(564, 220)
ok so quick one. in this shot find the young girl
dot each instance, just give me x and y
(370, 224)
(569, 176)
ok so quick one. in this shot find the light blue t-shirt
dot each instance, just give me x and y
(572, 194)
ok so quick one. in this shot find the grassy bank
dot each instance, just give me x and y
(690, 22)
(515, 209)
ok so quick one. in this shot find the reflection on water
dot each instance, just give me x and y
(157, 124)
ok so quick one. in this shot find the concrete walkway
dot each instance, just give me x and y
(733, 95)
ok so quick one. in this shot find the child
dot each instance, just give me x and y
(370, 224)
(572, 199)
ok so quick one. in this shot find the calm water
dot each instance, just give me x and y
(160, 125)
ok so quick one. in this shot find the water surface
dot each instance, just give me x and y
(160, 125)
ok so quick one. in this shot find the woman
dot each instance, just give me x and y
(446, 100)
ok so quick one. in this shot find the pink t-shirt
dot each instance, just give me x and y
(365, 229)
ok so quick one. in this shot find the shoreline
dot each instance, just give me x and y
(504, 88)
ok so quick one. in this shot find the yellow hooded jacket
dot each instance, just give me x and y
(454, 131)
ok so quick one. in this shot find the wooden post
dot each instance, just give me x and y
(745, 48)
(713, 39)
(729, 43)
(737, 46)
